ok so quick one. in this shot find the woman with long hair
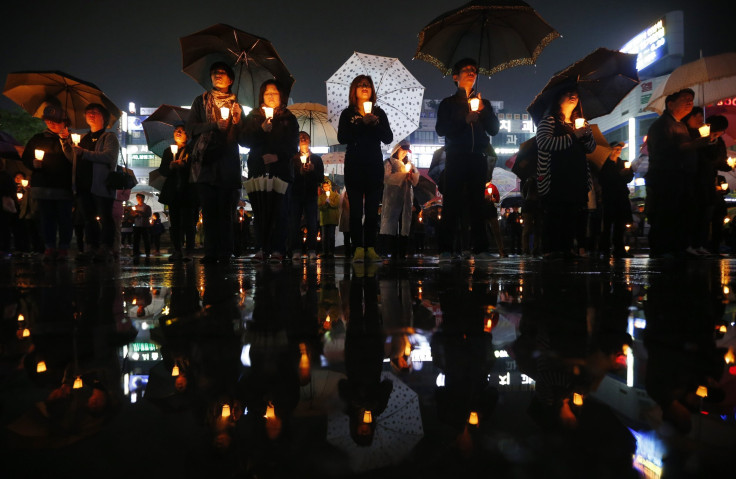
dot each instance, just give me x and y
(363, 127)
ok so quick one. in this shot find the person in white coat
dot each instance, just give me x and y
(400, 176)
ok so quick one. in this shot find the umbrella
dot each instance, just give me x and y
(505, 181)
(602, 148)
(156, 179)
(252, 58)
(425, 190)
(334, 158)
(9, 146)
(398, 93)
(711, 78)
(312, 118)
(499, 34)
(603, 79)
(265, 194)
(514, 201)
(398, 429)
(159, 127)
(34, 90)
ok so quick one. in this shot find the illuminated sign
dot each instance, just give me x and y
(649, 45)
(727, 102)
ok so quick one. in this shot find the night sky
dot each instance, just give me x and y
(130, 48)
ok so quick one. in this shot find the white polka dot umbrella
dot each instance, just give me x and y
(398, 93)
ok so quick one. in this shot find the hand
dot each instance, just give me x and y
(471, 117)
(64, 133)
(269, 158)
(370, 119)
(267, 126)
(222, 124)
(584, 131)
(236, 112)
(37, 164)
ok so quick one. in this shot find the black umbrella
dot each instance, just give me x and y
(35, 89)
(499, 34)
(252, 58)
(159, 127)
(516, 201)
(603, 79)
(425, 190)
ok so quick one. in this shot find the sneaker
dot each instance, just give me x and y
(359, 255)
(371, 256)
(312, 256)
(276, 257)
(296, 257)
(445, 257)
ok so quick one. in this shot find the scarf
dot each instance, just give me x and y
(214, 100)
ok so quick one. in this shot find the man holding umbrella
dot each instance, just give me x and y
(466, 121)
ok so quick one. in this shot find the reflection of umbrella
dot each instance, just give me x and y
(265, 194)
(398, 429)
(398, 93)
(320, 396)
(312, 118)
(515, 201)
(711, 78)
(499, 34)
(603, 79)
(34, 90)
(156, 179)
(159, 127)
(425, 190)
(253, 59)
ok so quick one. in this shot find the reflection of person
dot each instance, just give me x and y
(51, 181)
(466, 133)
(273, 142)
(400, 176)
(96, 157)
(344, 223)
(328, 203)
(215, 161)
(563, 172)
(363, 132)
(308, 174)
(614, 178)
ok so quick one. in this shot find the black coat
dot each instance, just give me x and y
(614, 179)
(462, 137)
(177, 190)
(363, 156)
(307, 183)
(282, 140)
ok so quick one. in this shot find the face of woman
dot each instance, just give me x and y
(272, 97)
(220, 80)
(180, 136)
(569, 101)
(695, 121)
(363, 91)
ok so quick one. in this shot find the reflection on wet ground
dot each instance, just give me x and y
(514, 368)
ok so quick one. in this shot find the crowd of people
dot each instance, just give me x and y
(570, 208)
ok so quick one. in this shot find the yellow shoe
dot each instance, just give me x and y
(359, 255)
(371, 256)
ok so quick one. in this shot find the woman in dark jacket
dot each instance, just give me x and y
(363, 131)
(215, 161)
(180, 194)
(562, 171)
(273, 140)
(614, 179)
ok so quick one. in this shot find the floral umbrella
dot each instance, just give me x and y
(398, 93)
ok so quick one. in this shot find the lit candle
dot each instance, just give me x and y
(75, 138)
(26, 332)
(268, 112)
(724, 186)
(579, 123)
(702, 392)
(627, 164)
(577, 399)
(304, 159)
(175, 371)
(367, 107)
(407, 167)
(367, 417)
(224, 112)
(731, 162)
(270, 411)
(627, 248)
(23, 183)
(41, 367)
(474, 104)
(19, 195)
(704, 130)
(473, 418)
(225, 410)
(729, 357)
(39, 154)
(327, 193)
(174, 149)
(78, 383)
(21, 318)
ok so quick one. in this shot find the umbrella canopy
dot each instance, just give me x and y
(398, 429)
(711, 78)
(156, 180)
(252, 58)
(499, 34)
(425, 190)
(312, 118)
(398, 93)
(512, 201)
(602, 78)
(34, 90)
(505, 181)
(334, 158)
(159, 127)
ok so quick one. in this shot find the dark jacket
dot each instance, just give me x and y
(671, 149)
(461, 137)
(363, 156)
(307, 183)
(282, 140)
(103, 158)
(711, 158)
(223, 169)
(614, 179)
(176, 189)
(54, 179)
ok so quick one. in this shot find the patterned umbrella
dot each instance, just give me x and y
(312, 118)
(398, 93)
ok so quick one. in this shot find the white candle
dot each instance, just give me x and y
(704, 130)
(327, 193)
(407, 167)
(19, 195)
(174, 149)
(24, 183)
(367, 107)
(627, 164)
(76, 137)
(224, 112)
(474, 104)
(39, 154)
(579, 123)
(304, 159)
(724, 186)
(268, 112)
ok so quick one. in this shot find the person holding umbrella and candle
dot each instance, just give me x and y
(467, 122)
(213, 129)
(49, 155)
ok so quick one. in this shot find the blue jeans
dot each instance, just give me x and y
(56, 215)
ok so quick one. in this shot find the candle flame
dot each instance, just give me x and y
(702, 392)
(270, 411)
(225, 411)
(577, 399)
(78, 383)
(175, 371)
(729, 356)
(41, 367)
(473, 418)
(367, 417)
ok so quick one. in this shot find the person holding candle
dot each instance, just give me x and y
(95, 157)
(328, 203)
(614, 178)
(214, 161)
(563, 172)
(363, 127)
(308, 173)
(467, 128)
(399, 176)
(141, 228)
(272, 134)
(49, 155)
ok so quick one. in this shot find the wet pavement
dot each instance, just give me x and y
(511, 368)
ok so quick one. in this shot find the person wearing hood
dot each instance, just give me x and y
(399, 177)
(49, 155)
(215, 161)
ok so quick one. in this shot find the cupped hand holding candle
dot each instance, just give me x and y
(367, 107)
(304, 159)
(174, 149)
(704, 130)
(224, 112)
(327, 193)
(407, 167)
(76, 137)
(268, 111)
(579, 123)
(39, 154)
(474, 104)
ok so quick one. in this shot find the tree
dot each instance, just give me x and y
(20, 124)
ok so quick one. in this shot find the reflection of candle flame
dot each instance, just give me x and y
(175, 371)
(702, 392)
(26, 332)
(577, 399)
(78, 383)
(473, 418)
(270, 411)
(41, 367)
(729, 358)
(225, 411)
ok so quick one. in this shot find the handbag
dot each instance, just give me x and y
(123, 178)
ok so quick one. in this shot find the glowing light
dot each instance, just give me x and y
(473, 418)
(26, 332)
(76, 137)
(367, 417)
(268, 112)
(41, 367)
(579, 123)
(270, 411)
(577, 399)
(729, 356)
(704, 130)
(39, 154)
(175, 371)
(702, 392)
(174, 149)
(474, 104)
(78, 383)
(225, 112)
(367, 107)
(225, 411)
(21, 318)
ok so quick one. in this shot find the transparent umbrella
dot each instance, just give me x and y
(312, 118)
